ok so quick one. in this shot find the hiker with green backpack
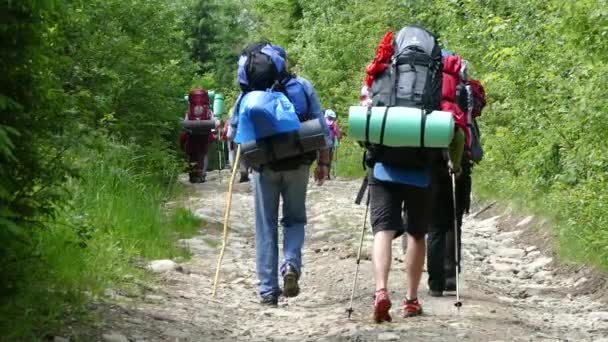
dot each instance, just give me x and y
(405, 135)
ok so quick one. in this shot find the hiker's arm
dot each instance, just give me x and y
(316, 112)
(456, 149)
(234, 119)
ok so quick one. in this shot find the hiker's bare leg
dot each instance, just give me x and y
(414, 262)
(381, 257)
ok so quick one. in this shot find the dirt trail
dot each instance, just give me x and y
(510, 290)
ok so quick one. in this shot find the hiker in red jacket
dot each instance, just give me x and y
(196, 145)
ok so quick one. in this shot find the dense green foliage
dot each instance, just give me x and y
(90, 95)
(542, 66)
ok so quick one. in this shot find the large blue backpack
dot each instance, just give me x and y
(261, 67)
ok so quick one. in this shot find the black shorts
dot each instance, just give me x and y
(389, 202)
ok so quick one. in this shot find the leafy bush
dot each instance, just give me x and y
(542, 64)
(114, 218)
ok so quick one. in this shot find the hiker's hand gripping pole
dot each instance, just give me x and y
(226, 216)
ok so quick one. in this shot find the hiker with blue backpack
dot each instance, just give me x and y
(277, 111)
(405, 132)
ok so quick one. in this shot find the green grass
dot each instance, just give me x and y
(115, 222)
(576, 213)
(350, 157)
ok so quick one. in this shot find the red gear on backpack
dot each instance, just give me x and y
(199, 105)
(384, 53)
(479, 97)
(450, 80)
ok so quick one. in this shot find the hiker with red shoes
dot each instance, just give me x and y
(464, 98)
(406, 72)
(199, 124)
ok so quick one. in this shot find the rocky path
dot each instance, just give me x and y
(511, 292)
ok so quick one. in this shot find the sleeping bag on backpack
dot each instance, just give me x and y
(263, 114)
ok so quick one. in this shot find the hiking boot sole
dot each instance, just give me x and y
(290, 287)
(408, 314)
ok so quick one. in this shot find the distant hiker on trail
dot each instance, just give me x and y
(199, 124)
(263, 117)
(228, 136)
(441, 259)
(401, 178)
(335, 134)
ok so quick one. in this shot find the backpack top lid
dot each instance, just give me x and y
(199, 104)
(416, 37)
(259, 65)
(198, 97)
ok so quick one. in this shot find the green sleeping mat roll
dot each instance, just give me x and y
(218, 105)
(401, 127)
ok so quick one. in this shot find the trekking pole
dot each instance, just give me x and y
(333, 170)
(458, 303)
(352, 293)
(226, 216)
(219, 155)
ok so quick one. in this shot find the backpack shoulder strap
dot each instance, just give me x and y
(306, 95)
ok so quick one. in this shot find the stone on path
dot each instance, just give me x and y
(539, 264)
(114, 337)
(542, 276)
(159, 266)
(388, 336)
(511, 252)
(525, 221)
(502, 267)
(599, 316)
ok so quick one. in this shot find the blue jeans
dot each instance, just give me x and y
(269, 187)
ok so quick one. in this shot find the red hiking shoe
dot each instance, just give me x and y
(411, 308)
(382, 305)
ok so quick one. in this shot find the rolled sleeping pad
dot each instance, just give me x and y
(198, 127)
(218, 105)
(401, 126)
(308, 138)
